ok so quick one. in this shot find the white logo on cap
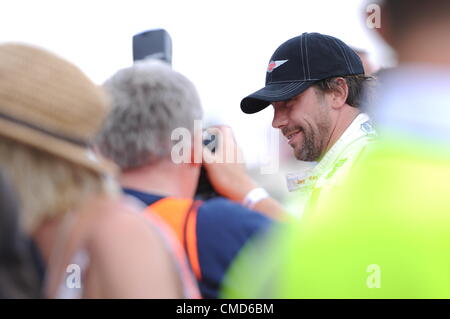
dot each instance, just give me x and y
(275, 64)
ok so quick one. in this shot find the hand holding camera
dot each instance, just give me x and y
(225, 166)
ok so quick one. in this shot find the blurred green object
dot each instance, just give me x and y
(385, 233)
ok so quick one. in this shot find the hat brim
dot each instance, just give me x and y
(71, 152)
(273, 92)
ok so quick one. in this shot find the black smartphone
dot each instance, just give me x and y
(204, 189)
(154, 43)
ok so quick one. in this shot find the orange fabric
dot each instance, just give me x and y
(190, 287)
(191, 241)
(174, 211)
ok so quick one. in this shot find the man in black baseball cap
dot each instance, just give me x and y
(315, 84)
(299, 63)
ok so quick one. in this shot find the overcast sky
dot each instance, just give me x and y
(222, 46)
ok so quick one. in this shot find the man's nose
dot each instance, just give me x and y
(279, 117)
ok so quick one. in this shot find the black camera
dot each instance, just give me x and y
(204, 189)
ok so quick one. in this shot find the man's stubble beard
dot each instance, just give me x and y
(313, 147)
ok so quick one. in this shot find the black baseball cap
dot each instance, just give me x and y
(300, 62)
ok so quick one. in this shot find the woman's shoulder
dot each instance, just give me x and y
(129, 254)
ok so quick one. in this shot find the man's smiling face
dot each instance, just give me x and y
(306, 122)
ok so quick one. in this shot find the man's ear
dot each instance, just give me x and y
(339, 94)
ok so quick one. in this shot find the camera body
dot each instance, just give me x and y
(204, 189)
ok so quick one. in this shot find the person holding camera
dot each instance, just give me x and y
(152, 106)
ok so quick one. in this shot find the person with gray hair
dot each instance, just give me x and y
(151, 103)
(147, 109)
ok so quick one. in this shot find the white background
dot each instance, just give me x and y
(222, 46)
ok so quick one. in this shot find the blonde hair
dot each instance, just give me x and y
(48, 186)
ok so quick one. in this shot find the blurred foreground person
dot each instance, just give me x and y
(385, 233)
(93, 242)
(20, 263)
(151, 135)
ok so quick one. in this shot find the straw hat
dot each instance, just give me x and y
(48, 103)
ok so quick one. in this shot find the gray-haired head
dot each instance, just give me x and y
(149, 101)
